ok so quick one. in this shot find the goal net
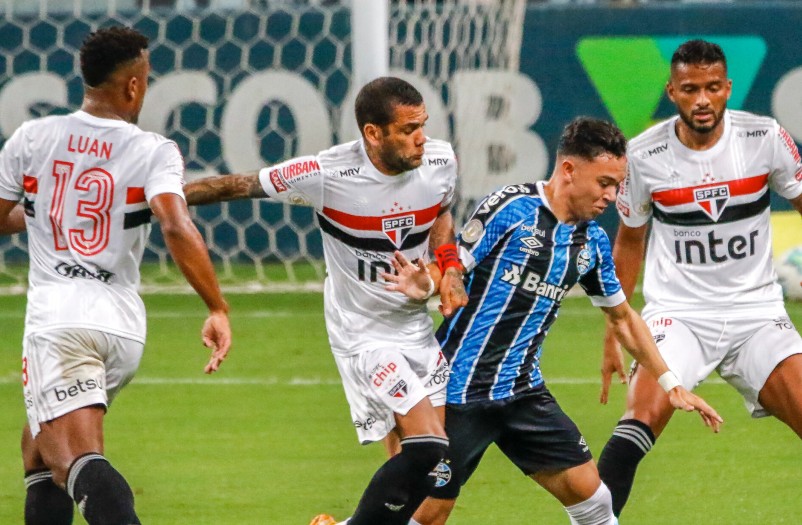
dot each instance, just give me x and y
(243, 84)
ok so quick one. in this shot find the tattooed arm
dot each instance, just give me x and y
(224, 188)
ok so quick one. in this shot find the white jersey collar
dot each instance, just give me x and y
(541, 190)
(97, 121)
(701, 154)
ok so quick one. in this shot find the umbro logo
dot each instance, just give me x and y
(583, 443)
(532, 244)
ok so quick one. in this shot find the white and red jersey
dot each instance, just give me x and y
(365, 216)
(710, 244)
(85, 183)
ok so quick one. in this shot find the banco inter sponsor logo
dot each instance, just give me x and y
(630, 72)
(693, 247)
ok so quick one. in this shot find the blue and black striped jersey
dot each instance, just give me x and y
(520, 262)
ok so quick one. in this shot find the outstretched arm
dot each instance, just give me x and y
(12, 217)
(224, 188)
(189, 252)
(628, 251)
(634, 335)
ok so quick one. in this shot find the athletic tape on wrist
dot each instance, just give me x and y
(447, 257)
(669, 381)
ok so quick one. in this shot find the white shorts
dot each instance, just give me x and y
(389, 380)
(64, 370)
(744, 351)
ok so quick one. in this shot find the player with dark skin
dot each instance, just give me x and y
(700, 92)
(80, 432)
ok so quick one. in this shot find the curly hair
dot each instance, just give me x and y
(588, 138)
(107, 49)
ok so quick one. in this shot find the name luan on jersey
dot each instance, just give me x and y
(365, 216)
(85, 183)
(522, 262)
(710, 243)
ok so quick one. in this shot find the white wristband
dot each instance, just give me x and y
(431, 289)
(669, 381)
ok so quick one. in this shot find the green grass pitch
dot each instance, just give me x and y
(268, 439)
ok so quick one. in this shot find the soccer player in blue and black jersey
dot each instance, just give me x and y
(524, 247)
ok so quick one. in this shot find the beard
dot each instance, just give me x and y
(397, 163)
(702, 128)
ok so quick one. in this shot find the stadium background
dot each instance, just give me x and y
(268, 441)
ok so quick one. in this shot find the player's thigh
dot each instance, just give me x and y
(471, 428)
(536, 435)
(380, 384)
(688, 345)
(749, 366)
(65, 370)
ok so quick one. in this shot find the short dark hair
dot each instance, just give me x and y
(698, 52)
(107, 49)
(588, 138)
(378, 98)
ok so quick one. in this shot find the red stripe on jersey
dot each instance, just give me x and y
(30, 184)
(737, 187)
(359, 222)
(135, 195)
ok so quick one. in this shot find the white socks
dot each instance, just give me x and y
(596, 510)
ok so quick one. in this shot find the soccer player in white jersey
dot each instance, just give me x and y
(712, 298)
(390, 190)
(89, 182)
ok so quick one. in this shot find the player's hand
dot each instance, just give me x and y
(681, 399)
(612, 362)
(216, 334)
(412, 280)
(452, 292)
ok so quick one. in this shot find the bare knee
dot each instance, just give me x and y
(572, 485)
(64, 439)
(647, 402)
(434, 511)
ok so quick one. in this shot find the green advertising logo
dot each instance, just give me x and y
(630, 73)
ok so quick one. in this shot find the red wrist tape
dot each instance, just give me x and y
(446, 256)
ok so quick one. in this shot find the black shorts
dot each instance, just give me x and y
(531, 430)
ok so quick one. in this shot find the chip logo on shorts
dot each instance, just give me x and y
(399, 390)
(442, 474)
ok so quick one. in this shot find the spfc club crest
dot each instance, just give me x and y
(397, 228)
(712, 200)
